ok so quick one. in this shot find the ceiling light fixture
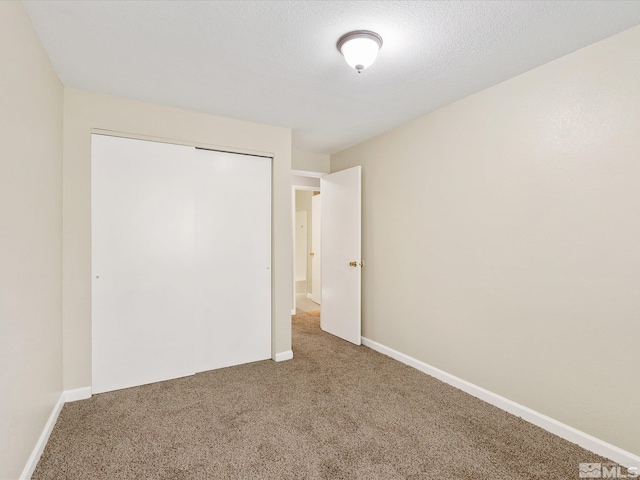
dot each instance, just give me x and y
(360, 48)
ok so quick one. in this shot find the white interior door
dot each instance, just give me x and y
(142, 262)
(316, 229)
(233, 252)
(341, 254)
(301, 247)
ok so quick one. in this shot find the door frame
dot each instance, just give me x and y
(301, 180)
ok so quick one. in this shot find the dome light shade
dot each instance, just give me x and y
(360, 48)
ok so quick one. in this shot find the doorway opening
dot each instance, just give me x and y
(341, 251)
(307, 247)
(306, 215)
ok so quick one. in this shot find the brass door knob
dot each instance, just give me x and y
(353, 264)
(312, 254)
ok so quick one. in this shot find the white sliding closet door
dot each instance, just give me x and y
(143, 237)
(181, 251)
(233, 248)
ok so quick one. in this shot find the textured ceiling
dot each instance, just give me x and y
(276, 62)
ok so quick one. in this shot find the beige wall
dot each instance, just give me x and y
(501, 236)
(84, 111)
(310, 162)
(30, 239)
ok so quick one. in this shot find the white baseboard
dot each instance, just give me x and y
(42, 441)
(282, 356)
(560, 429)
(77, 394)
(293, 311)
(65, 396)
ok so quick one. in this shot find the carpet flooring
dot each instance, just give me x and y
(335, 411)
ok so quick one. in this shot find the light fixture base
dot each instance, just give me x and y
(358, 34)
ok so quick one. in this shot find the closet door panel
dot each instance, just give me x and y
(143, 249)
(233, 259)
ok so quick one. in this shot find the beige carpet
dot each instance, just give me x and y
(334, 411)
